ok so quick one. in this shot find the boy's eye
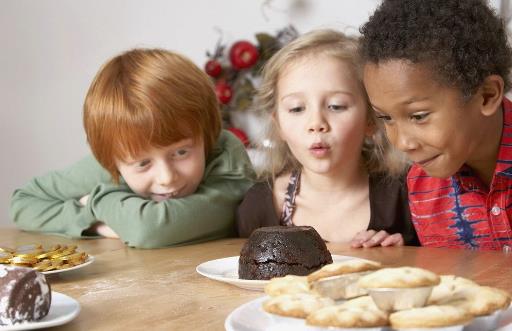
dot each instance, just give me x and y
(143, 163)
(418, 117)
(180, 153)
(335, 107)
(385, 118)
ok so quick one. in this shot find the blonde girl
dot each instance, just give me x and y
(328, 164)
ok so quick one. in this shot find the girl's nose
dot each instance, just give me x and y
(317, 122)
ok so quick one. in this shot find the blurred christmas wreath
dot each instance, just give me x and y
(236, 70)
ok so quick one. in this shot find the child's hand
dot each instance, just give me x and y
(372, 238)
(100, 228)
(83, 200)
(105, 231)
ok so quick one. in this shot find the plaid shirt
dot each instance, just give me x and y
(459, 211)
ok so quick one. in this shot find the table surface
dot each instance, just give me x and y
(127, 288)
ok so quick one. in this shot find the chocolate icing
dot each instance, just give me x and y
(24, 295)
(277, 251)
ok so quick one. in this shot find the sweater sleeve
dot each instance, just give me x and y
(204, 215)
(407, 229)
(50, 203)
(390, 208)
(256, 210)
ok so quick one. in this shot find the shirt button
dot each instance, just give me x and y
(507, 249)
(496, 210)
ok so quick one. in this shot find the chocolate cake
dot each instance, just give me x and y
(277, 251)
(24, 295)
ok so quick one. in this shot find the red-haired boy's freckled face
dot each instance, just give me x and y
(428, 121)
(174, 171)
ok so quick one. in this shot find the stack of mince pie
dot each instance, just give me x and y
(362, 294)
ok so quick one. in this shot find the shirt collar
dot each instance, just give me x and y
(504, 161)
(467, 179)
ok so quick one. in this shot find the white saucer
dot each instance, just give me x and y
(89, 260)
(226, 270)
(62, 310)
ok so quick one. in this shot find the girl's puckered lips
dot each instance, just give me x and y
(319, 149)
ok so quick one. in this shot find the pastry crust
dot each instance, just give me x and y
(403, 277)
(340, 286)
(298, 305)
(287, 285)
(429, 317)
(342, 268)
(449, 288)
(479, 300)
(347, 317)
(365, 302)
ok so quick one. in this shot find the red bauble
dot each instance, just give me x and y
(213, 68)
(224, 92)
(240, 135)
(243, 55)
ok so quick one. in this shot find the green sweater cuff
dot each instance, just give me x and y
(83, 221)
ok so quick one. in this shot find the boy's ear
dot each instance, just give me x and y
(491, 92)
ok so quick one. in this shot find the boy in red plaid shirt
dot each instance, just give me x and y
(436, 72)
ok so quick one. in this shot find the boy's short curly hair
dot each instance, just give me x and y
(462, 41)
(146, 98)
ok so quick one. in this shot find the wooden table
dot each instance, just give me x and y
(133, 289)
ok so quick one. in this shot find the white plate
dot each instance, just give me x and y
(62, 310)
(251, 317)
(505, 320)
(89, 260)
(226, 270)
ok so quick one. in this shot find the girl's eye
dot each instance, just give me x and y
(296, 109)
(337, 107)
(419, 117)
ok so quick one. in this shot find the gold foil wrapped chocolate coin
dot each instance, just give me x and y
(36, 256)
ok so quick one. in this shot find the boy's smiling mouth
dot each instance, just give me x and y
(164, 196)
(426, 162)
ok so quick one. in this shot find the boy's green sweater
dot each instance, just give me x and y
(51, 203)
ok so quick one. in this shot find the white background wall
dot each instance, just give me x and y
(51, 49)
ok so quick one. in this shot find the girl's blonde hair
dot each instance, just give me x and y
(377, 153)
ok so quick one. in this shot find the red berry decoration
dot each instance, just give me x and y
(240, 135)
(224, 92)
(243, 55)
(232, 68)
(213, 68)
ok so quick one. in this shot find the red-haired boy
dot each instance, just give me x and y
(163, 171)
